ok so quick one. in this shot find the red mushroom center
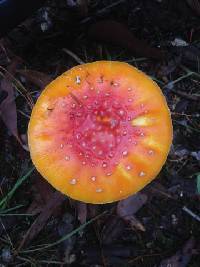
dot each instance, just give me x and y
(97, 126)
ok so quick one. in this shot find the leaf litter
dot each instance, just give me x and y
(8, 111)
(182, 257)
(127, 208)
(113, 32)
(54, 202)
(138, 230)
(38, 78)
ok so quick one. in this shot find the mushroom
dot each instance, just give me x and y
(100, 132)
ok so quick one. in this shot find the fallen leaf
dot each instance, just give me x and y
(195, 5)
(36, 77)
(196, 155)
(117, 34)
(131, 205)
(3, 95)
(135, 223)
(169, 67)
(8, 110)
(42, 192)
(5, 53)
(128, 207)
(182, 257)
(80, 7)
(190, 55)
(158, 190)
(54, 202)
(179, 42)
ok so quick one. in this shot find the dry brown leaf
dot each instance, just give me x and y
(195, 5)
(36, 77)
(113, 32)
(182, 257)
(131, 205)
(80, 6)
(4, 54)
(128, 207)
(42, 192)
(54, 202)
(135, 223)
(8, 110)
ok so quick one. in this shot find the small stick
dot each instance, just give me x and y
(190, 97)
(74, 56)
(4, 228)
(102, 10)
(191, 213)
(178, 80)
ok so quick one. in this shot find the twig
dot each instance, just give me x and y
(13, 208)
(189, 71)
(102, 10)
(186, 126)
(17, 84)
(4, 50)
(26, 260)
(15, 214)
(23, 113)
(186, 115)
(66, 236)
(169, 85)
(191, 213)
(61, 263)
(4, 228)
(73, 55)
(136, 59)
(190, 97)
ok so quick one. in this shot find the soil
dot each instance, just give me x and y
(163, 230)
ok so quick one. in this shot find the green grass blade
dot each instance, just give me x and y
(198, 183)
(66, 236)
(11, 209)
(15, 187)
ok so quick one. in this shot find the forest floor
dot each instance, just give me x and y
(41, 227)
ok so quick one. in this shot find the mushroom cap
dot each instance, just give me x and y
(100, 132)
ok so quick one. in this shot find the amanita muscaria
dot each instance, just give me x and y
(100, 132)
